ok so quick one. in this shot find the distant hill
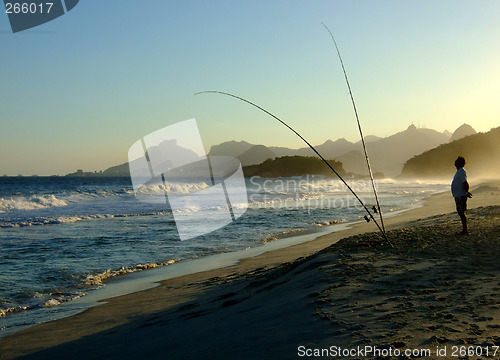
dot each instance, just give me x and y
(287, 166)
(481, 151)
(369, 139)
(256, 155)
(462, 131)
(114, 171)
(176, 155)
(284, 151)
(354, 161)
(389, 154)
(118, 170)
(230, 148)
(279, 167)
(329, 149)
(80, 173)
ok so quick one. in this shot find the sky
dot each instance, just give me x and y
(77, 92)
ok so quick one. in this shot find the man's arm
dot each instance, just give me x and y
(465, 184)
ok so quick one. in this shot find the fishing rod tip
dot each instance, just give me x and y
(210, 92)
(202, 92)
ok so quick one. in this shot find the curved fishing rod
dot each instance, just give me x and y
(360, 131)
(312, 148)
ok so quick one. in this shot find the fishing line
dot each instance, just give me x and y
(312, 148)
(360, 131)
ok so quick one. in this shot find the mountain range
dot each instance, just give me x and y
(387, 155)
(481, 151)
(288, 166)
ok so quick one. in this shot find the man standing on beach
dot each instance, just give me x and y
(460, 191)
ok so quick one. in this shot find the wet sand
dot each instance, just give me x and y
(434, 289)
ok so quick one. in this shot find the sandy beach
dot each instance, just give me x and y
(433, 294)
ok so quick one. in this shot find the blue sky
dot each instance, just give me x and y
(77, 92)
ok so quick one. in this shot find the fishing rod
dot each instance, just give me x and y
(360, 131)
(312, 148)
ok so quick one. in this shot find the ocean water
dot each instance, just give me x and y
(62, 237)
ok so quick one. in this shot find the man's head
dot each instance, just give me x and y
(460, 162)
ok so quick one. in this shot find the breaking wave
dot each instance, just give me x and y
(70, 219)
(30, 203)
(97, 279)
(90, 281)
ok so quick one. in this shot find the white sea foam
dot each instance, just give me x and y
(48, 300)
(330, 222)
(280, 235)
(97, 279)
(51, 302)
(31, 203)
(406, 182)
(57, 298)
(67, 219)
(11, 310)
(174, 188)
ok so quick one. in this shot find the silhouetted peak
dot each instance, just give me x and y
(256, 154)
(462, 131)
(412, 128)
(341, 141)
(230, 148)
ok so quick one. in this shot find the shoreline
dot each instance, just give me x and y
(129, 283)
(134, 281)
(125, 283)
(120, 311)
